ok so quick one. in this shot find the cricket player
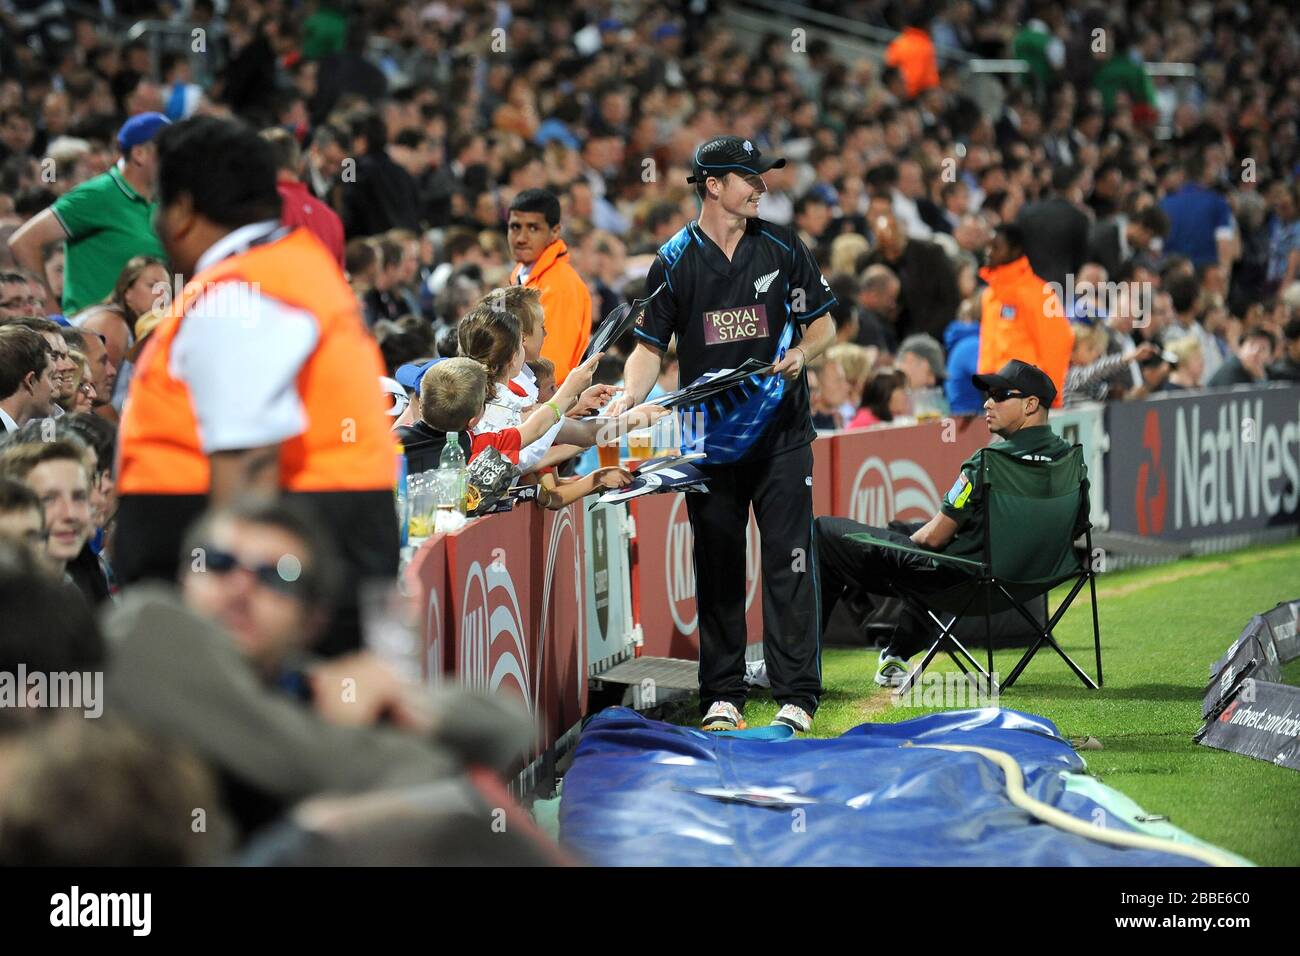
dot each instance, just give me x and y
(737, 287)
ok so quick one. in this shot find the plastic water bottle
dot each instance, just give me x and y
(452, 462)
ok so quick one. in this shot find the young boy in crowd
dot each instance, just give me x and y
(543, 371)
(454, 397)
(493, 333)
(525, 304)
(96, 439)
(22, 519)
(56, 471)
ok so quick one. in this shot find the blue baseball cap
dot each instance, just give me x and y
(553, 130)
(139, 129)
(825, 192)
(410, 374)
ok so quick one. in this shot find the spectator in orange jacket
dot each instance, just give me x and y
(1021, 315)
(912, 54)
(542, 261)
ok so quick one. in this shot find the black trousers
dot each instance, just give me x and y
(856, 569)
(780, 490)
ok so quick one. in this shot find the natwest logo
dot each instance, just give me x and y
(1236, 467)
(884, 491)
(679, 567)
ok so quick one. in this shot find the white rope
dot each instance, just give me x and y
(1062, 820)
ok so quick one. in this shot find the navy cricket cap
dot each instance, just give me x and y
(1021, 377)
(729, 154)
(139, 129)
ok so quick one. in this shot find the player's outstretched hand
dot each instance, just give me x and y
(612, 477)
(790, 366)
(619, 406)
(643, 416)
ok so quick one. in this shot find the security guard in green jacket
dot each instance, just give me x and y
(1018, 397)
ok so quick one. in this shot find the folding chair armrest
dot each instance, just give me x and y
(965, 564)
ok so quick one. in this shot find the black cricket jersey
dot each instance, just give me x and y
(724, 312)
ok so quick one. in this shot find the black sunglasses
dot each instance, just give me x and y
(1002, 394)
(268, 575)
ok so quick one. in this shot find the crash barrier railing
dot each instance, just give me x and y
(533, 603)
(201, 42)
(985, 80)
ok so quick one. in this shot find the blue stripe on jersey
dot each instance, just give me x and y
(805, 319)
(776, 240)
(672, 249)
(649, 338)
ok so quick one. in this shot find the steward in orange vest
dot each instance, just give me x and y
(912, 54)
(1021, 317)
(261, 378)
(534, 233)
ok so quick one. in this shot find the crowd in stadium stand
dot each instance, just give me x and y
(1142, 230)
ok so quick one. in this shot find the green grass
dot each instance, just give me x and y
(1159, 637)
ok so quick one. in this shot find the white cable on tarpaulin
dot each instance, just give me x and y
(1063, 821)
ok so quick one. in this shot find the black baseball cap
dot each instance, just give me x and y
(1022, 377)
(729, 154)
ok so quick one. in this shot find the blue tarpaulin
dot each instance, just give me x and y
(645, 793)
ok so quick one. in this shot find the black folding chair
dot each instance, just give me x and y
(1033, 514)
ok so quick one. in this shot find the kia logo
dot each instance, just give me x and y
(679, 567)
(883, 491)
(492, 649)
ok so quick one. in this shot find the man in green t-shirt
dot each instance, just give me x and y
(103, 222)
(1018, 398)
(1122, 72)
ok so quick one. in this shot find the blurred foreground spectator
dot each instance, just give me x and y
(221, 403)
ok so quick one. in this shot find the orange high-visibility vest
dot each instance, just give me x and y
(346, 445)
(566, 303)
(1022, 318)
(912, 53)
